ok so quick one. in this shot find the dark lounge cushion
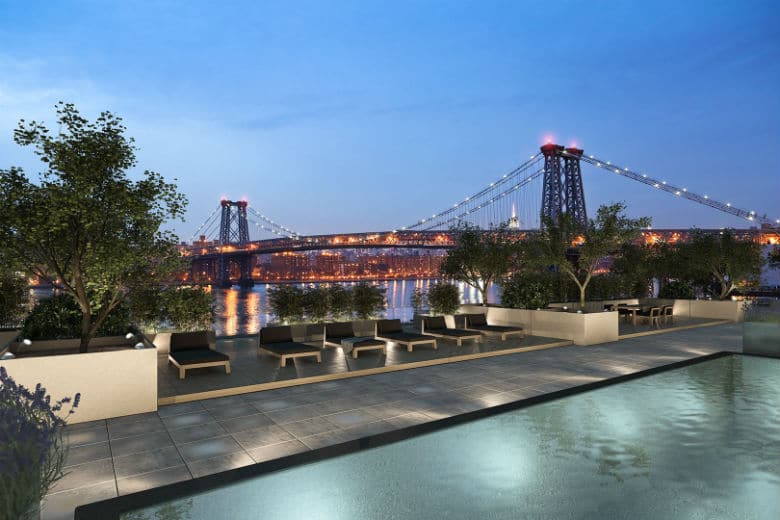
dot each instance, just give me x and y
(435, 323)
(407, 336)
(290, 347)
(388, 326)
(339, 330)
(191, 357)
(368, 342)
(456, 333)
(497, 328)
(477, 319)
(182, 341)
(281, 334)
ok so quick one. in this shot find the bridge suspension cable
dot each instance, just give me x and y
(484, 199)
(275, 228)
(210, 220)
(706, 200)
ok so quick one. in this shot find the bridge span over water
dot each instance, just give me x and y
(537, 191)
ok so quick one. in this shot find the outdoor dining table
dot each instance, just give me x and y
(630, 310)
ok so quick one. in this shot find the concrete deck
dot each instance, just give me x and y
(182, 441)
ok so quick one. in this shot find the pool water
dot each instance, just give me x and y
(699, 442)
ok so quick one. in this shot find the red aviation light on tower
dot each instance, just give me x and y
(573, 150)
(551, 149)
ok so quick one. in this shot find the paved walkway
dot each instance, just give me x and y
(182, 441)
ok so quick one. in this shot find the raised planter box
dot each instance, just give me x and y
(713, 309)
(761, 338)
(121, 381)
(582, 329)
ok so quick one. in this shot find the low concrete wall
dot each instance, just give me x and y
(596, 305)
(714, 309)
(67, 344)
(112, 384)
(761, 338)
(6, 337)
(582, 329)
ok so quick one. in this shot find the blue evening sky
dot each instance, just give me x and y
(338, 116)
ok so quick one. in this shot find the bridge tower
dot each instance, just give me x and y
(552, 189)
(234, 231)
(562, 190)
(574, 196)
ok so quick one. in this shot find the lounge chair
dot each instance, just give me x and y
(478, 322)
(653, 316)
(667, 311)
(278, 342)
(194, 350)
(343, 335)
(437, 326)
(390, 330)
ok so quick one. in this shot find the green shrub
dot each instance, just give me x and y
(418, 300)
(13, 295)
(529, 290)
(59, 317)
(443, 298)
(340, 302)
(677, 290)
(316, 303)
(286, 302)
(180, 308)
(368, 300)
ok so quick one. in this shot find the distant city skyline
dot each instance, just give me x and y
(343, 117)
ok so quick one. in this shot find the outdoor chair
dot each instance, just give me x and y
(194, 350)
(278, 342)
(668, 313)
(478, 322)
(437, 326)
(390, 330)
(343, 335)
(653, 316)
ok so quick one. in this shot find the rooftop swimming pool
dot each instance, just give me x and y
(697, 442)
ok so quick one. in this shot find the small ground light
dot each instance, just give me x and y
(139, 345)
(7, 355)
(129, 335)
(26, 342)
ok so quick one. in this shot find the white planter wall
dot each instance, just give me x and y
(582, 329)
(112, 384)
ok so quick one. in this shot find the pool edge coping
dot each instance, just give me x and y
(113, 508)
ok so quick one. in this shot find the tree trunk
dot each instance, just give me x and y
(86, 332)
(582, 298)
(484, 292)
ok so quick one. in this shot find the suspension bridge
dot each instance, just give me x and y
(546, 185)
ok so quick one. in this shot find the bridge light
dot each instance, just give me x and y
(608, 162)
(752, 212)
(617, 171)
(590, 156)
(598, 164)
(644, 175)
(663, 182)
(655, 185)
(677, 192)
(728, 204)
(625, 169)
(433, 216)
(706, 196)
(777, 221)
(750, 218)
(532, 156)
(685, 189)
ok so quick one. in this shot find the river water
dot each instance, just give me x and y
(244, 311)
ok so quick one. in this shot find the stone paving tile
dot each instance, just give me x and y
(87, 474)
(60, 506)
(326, 439)
(275, 451)
(222, 402)
(230, 411)
(128, 429)
(364, 430)
(297, 413)
(257, 437)
(408, 419)
(153, 479)
(87, 453)
(309, 427)
(126, 419)
(129, 465)
(180, 408)
(209, 448)
(351, 418)
(197, 433)
(246, 423)
(79, 437)
(221, 463)
(187, 419)
(140, 443)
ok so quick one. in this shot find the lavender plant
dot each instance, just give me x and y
(32, 452)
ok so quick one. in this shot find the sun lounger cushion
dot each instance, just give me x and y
(435, 323)
(385, 327)
(195, 356)
(497, 328)
(182, 341)
(368, 342)
(336, 331)
(281, 334)
(477, 319)
(290, 347)
(406, 336)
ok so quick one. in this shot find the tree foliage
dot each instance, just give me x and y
(340, 299)
(577, 250)
(286, 302)
(86, 226)
(13, 295)
(443, 298)
(723, 257)
(368, 300)
(59, 317)
(316, 303)
(528, 290)
(480, 257)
